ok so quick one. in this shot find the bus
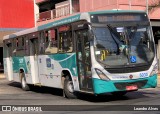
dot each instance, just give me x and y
(99, 52)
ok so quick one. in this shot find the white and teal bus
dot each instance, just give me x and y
(93, 52)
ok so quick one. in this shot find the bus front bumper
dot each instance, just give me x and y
(102, 86)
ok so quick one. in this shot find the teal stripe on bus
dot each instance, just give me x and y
(19, 63)
(102, 86)
(66, 61)
(60, 22)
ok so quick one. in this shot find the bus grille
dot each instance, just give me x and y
(122, 85)
(128, 69)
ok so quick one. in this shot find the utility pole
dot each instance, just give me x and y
(36, 13)
(70, 5)
(129, 4)
(147, 6)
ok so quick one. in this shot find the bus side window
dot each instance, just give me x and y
(17, 42)
(46, 38)
(69, 42)
(42, 42)
(26, 46)
(14, 47)
(51, 41)
(19, 47)
(65, 39)
(9, 48)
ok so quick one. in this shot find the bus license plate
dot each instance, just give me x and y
(132, 87)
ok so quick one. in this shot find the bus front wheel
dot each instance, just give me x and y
(68, 88)
(24, 84)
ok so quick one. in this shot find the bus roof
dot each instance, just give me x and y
(45, 26)
(66, 20)
(115, 11)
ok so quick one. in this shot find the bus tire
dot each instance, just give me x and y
(24, 84)
(68, 88)
(120, 93)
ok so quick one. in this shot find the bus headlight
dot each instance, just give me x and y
(101, 74)
(155, 70)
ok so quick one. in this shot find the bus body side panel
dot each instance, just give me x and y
(28, 75)
(18, 63)
(9, 69)
(49, 72)
(34, 69)
(5, 67)
(24, 64)
(51, 67)
(68, 62)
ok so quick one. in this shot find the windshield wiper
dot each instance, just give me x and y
(115, 33)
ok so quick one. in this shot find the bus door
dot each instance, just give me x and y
(34, 60)
(9, 61)
(83, 60)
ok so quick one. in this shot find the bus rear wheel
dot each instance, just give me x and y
(69, 88)
(24, 84)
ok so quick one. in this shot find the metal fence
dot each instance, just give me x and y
(52, 14)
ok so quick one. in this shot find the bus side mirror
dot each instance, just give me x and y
(90, 35)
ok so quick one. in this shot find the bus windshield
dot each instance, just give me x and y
(123, 45)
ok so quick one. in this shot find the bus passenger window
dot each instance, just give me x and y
(19, 50)
(14, 47)
(41, 44)
(9, 46)
(65, 42)
(65, 39)
(46, 38)
(26, 46)
(51, 43)
(17, 42)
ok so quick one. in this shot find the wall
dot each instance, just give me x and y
(38, 1)
(62, 8)
(93, 5)
(140, 5)
(16, 13)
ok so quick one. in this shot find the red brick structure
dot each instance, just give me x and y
(15, 15)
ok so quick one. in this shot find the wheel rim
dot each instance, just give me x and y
(70, 86)
(23, 82)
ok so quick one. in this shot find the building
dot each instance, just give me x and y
(15, 15)
(49, 10)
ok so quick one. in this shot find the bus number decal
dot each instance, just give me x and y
(143, 75)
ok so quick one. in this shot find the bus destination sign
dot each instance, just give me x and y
(118, 18)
